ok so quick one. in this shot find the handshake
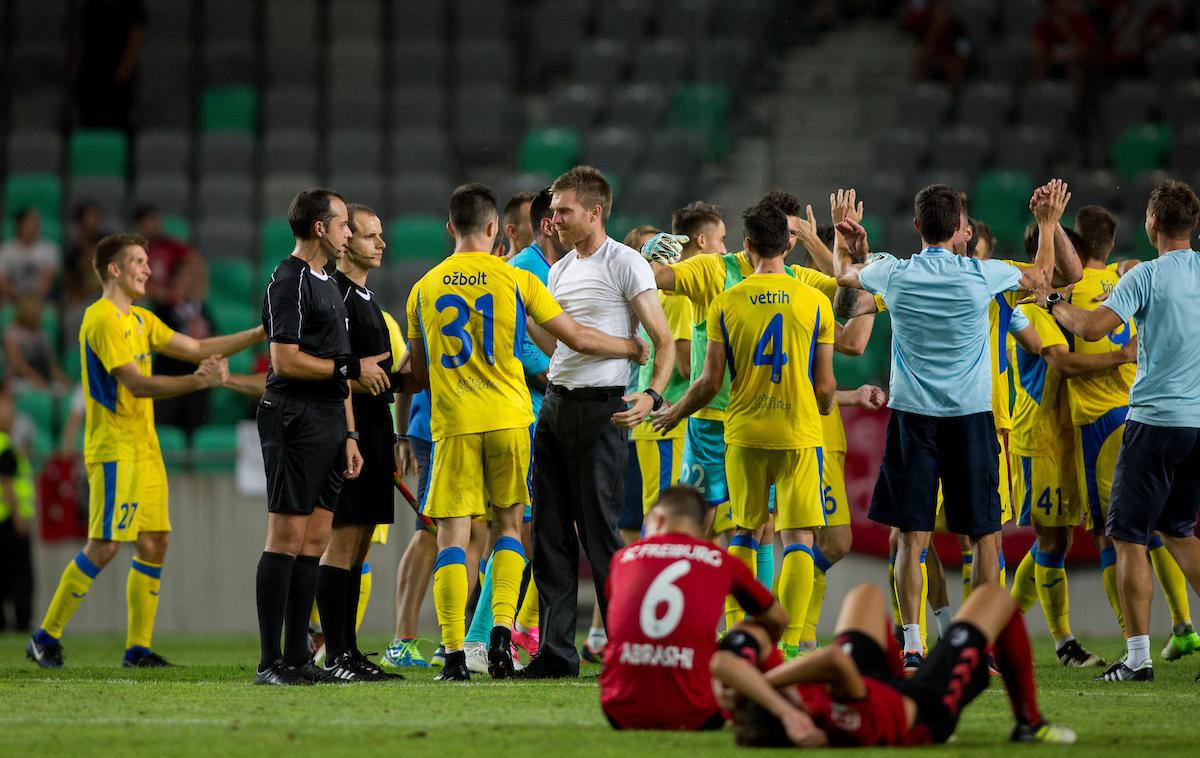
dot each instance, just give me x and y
(664, 248)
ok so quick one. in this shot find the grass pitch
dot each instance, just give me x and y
(207, 706)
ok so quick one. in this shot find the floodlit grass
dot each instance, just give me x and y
(207, 706)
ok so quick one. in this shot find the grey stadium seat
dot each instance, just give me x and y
(963, 148)
(353, 150)
(290, 107)
(489, 139)
(1096, 187)
(357, 109)
(485, 63)
(986, 104)
(416, 20)
(108, 191)
(363, 188)
(226, 239)
(289, 151)
(1133, 196)
(678, 150)
(230, 20)
(638, 106)
(419, 150)
(291, 23)
(600, 63)
(40, 151)
(665, 62)
(419, 194)
(577, 106)
(287, 66)
(229, 62)
(903, 149)
(484, 17)
(1175, 60)
(172, 193)
(172, 20)
(353, 65)
(1128, 104)
(424, 63)
(925, 106)
(614, 150)
(623, 20)
(162, 150)
(39, 21)
(226, 196)
(887, 191)
(651, 194)
(418, 107)
(360, 20)
(1025, 148)
(1185, 150)
(225, 153)
(1049, 104)
(278, 190)
(38, 63)
(1182, 105)
(41, 108)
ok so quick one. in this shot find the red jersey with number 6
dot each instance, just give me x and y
(666, 595)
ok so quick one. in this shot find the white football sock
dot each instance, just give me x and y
(944, 619)
(1138, 648)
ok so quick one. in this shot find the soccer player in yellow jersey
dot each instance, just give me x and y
(127, 482)
(466, 323)
(775, 336)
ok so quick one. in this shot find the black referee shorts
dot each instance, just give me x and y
(1156, 483)
(304, 450)
(370, 498)
(960, 451)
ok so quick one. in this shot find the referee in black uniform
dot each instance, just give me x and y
(367, 500)
(303, 423)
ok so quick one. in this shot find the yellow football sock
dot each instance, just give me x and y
(896, 616)
(141, 597)
(1025, 585)
(1003, 572)
(795, 589)
(364, 594)
(968, 558)
(508, 564)
(1051, 580)
(72, 587)
(450, 596)
(527, 616)
(1108, 573)
(314, 618)
(1170, 577)
(745, 549)
(813, 616)
(921, 617)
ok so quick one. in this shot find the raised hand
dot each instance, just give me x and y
(1050, 209)
(664, 248)
(842, 206)
(808, 228)
(855, 238)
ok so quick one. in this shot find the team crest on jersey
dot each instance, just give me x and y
(848, 719)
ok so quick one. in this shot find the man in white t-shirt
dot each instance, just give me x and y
(29, 263)
(580, 447)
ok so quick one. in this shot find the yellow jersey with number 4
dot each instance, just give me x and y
(1041, 413)
(470, 312)
(769, 326)
(119, 426)
(1093, 395)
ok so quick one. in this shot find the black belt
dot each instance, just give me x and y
(587, 393)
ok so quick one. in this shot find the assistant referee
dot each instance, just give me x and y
(304, 423)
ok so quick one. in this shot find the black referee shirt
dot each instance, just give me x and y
(368, 334)
(302, 307)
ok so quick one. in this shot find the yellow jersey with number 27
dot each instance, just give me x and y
(769, 326)
(470, 312)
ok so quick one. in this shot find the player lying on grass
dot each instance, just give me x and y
(666, 594)
(853, 693)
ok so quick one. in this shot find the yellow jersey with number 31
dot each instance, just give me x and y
(470, 312)
(119, 426)
(769, 326)
(1093, 395)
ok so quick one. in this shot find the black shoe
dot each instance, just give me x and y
(1072, 655)
(1119, 672)
(542, 667)
(309, 671)
(370, 671)
(499, 653)
(455, 668)
(911, 661)
(343, 670)
(144, 659)
(281, 675)
(46, 656)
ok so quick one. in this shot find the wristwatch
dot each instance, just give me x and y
(657, 398)
(352, 436)
(1053, 299)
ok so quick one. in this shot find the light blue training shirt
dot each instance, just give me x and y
(1162, 297)
(938, 303)
(533, 360)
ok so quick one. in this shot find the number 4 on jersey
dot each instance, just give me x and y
(772, 339)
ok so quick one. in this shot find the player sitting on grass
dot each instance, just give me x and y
(666, 594)
(852, 693)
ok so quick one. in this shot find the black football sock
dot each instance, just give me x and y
(271, 590)
(353, 587)
(299, 608)
(331, 602)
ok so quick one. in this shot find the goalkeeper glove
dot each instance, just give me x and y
(664, 248)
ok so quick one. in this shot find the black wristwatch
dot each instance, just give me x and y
(657, 398)
(1053, 299)
(352, 436)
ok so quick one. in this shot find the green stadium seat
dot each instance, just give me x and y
(703, 108)
(226, 407)
(173, 442)
(41, 191)
(1001, 198)
(236, 316)
(72, 363)
(97, 152)
(231, 108)
(177, 227)
(40, 407)
(232, 280)
(415, 237)
(242, 363)
(549, 151)
(50, 325)
(874, 227)
(214, 448)
(275, 241)
(1141, 148)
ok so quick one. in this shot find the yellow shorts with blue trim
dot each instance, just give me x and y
(1046, 490)
(472, 470)
(1096, 447)
(833, 489)
(1005, 488)
(126, 498)
(380, 534)
(796, 474)
(659, 461)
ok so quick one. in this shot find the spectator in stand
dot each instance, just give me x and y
(29, 263)
(27, 350)
(943, 46)
(87, 226)
(173, 263)
(1132, 28)
(16, 519)
(108, 44)
(185, 313)
(80, 289)
(1063, 41)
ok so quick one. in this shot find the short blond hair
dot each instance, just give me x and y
(591, 187)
